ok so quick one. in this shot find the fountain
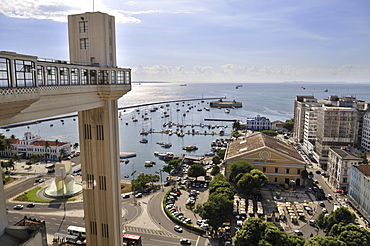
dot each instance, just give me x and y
(63, 184)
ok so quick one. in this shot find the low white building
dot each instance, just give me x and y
(32, 144)
(258, 123)
(358, 191)
(340, 161)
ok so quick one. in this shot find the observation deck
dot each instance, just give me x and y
(32, 88)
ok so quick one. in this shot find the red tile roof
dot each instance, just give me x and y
(365, 169)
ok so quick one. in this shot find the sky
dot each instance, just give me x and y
(209, 40)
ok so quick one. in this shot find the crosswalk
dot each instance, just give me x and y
(132, 229)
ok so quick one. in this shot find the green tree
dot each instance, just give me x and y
(142, 180)
(46, 145)
(239, 167)
(363, 156)
(304, 175)
(175, 163)
(196, 170)
(255, 179)
(2, 136)
(288, 126)
(269, 132)
(221, 153)
(324, 241)
(12, 136)
(216, 159)
(11, 163)
(217, 209)
(215, 170)
(337, 216)
(258, 232)
(8, 145)
(62, 153)
(237, 126)
(56, 142)
(167, 169)
(75, 145)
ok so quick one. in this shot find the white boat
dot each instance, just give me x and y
(227, 110)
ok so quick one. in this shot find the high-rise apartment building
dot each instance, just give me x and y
(301, 104)
(365, 141)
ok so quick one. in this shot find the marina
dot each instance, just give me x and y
(279, 106)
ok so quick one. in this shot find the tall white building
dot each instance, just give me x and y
(358, 191)
(365, 141)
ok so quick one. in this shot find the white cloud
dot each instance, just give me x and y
(236, 73)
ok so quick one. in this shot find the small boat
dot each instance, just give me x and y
(326, 90)
(143, 140)
(227, 110)
(182, 84)
(126, 161)
(51, 125)
(207, 109)
(190, 147)
(143, 132)
(149, 163)
(126, 176)
(166, 145)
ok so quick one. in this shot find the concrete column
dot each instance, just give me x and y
(99, 144)
(3, 218)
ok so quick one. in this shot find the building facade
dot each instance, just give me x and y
(336, 126)
(340, 161)
(258, 123)
(358, 191)
(365, 141)
(33, 144)
(301, 104)
(279, 161)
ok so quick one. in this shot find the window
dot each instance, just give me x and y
(120, 77)
(74, 76)
(40, 75)
(24, 73)
(276, 169)
(93, 77)
(128, 78)
(64, 74)
(275, 179)
(113, 77)
(5, 73)
(344, 180)
(51, 76)
(84, 77)
(83, 26)
(84, 43)
(287, 170)
(298, 171)
(103, 77)
(264, 169)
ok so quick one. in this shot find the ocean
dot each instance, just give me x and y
(272, 100)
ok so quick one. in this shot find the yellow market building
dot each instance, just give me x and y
(279, 161)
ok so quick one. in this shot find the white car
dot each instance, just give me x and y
(178, 228)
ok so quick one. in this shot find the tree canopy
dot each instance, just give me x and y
(196, 170)
(269, 132)
(254, 179)
(258, 232)
(142, 180)
(288, 125)
(239, 167)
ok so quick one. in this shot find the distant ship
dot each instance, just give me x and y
(182, 84)
(326, 90)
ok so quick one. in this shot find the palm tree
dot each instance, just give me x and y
(8, 145)
(75, 145)
(62, 153)
(47, 145)
(2, 136)
(11, 163)
(12, 136)
(16, 157)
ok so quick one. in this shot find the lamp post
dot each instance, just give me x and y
(63, 172)
(160, 173)
(133, 187)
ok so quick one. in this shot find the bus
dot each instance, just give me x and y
(80, 232)
(131, 240)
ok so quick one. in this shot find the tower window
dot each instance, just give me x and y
(83, 26)
(84, 43)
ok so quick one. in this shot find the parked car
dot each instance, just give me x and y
(30, 205)
(184, 241)
(324, 210)
(178, 228)
(312, 223)
(329, 196)
(138, 195)
(298, 232)
(18, 207)
(322, 204)
(125, 195)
